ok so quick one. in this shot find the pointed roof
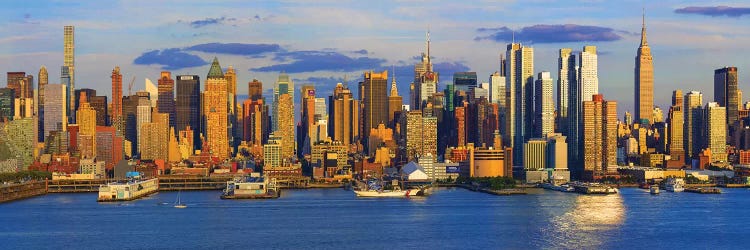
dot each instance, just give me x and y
(394, 90)
(643, 30)
(215, 71)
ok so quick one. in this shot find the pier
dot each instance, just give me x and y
(21, 191)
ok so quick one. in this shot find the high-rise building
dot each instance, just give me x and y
(255, 122)
(255, 90)
(69, 63)
(498, 92)
(286, 125)
(545, 106)
(692, 126)
(726, 92)
(535, 154)
(375, 100)
(566, 85)
(588, 74)
(716, 131)
(43, 77)
(343, 119)
(55, 109)
(67, 80)
(86, 120)
(599, 137)
(421, 134)
(143, 116)
(520, 83)
(425, 79)
(215, 109)
(165, 103)
(676, 125)
(116, 119)
(231, 78)
(188, 106)
(7, 103)
(307, 118)
(284, 84)
(557, 152)
(394, 102)
(15, 80)
(108, 146)
(644, 80)
(154, 141)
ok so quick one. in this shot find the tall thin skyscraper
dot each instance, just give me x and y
(545, 107)
(676, 124)
(284, 84)
(566, 81)
(375, 100)
(726, 92)
(86, 121)
(343, 123)
(67, 80)
(188, 106)
(215, 107)
(286, 125)
(116, 120)
(165, 103)
(644, 80)
(70, 63)
(425, 79)
(691, 134)
(43, 81)
(588, 74)
(520, 83)
(394, 102)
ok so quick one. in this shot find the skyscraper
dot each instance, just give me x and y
(425, 79)
(7, 103)
(286, 125)
(520, 78)
(545, 106)
(567, 88)
(165, 104)
(116, 120)
(43, 81)
(421, 134)
(644, 80)
(231, 77)
(56, 108)
(375, 100)
(394, 102)
(284, 84)
(692, 126)
(599, 137)
(255, 90)
(716, 131)
(343, 123)
(188, 106)
(676, 124)
(67, 80)
(86, 121)
(155, 137)
(69, 62)
(588, 75)
(215, 109)
(726, 92)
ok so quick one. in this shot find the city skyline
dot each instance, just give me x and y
(459, 43)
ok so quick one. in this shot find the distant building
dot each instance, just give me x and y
(716, 131)
(726, 92)
(216, 113)
(545, 106)
(599, 137)
(188, 106)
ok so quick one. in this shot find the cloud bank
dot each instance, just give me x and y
(170, 59)
(714, 11)
(550, 33)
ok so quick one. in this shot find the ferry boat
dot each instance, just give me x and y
(251, 188)
(135, 187)
(654, 189)
(675, 185)
(562, 188)
(375, 189)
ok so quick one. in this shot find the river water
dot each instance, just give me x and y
(451, 218)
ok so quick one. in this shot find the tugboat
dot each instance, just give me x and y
(251, 188)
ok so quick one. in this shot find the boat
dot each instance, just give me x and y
(593, 188)
(675, 185)
(135, 187)
(708, 190)
(179, 204)
(562, 188)
(375, 189)
(654, 189)
(248, 187)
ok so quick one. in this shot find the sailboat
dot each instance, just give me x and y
(179, 204)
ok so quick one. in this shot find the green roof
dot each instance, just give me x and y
(215, 71)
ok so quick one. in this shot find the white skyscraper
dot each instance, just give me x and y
(520, 84)
(545, 107)
(588, 74)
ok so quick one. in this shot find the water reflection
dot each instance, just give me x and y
(588, 223)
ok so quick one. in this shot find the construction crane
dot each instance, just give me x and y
(130, 86)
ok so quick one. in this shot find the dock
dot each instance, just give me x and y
(22, 191)
(703, 190)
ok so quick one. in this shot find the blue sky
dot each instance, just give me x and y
(320, 42)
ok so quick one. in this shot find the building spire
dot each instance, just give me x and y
(428, 44)
(394, 90)
(215, 70)
(643, 29)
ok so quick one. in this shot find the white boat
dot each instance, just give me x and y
(397, 192)
(179, 204)
(654, 189)
(135, 187)
(675, 185)
(251, 188)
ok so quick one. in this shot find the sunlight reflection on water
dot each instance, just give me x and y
(587, 222)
